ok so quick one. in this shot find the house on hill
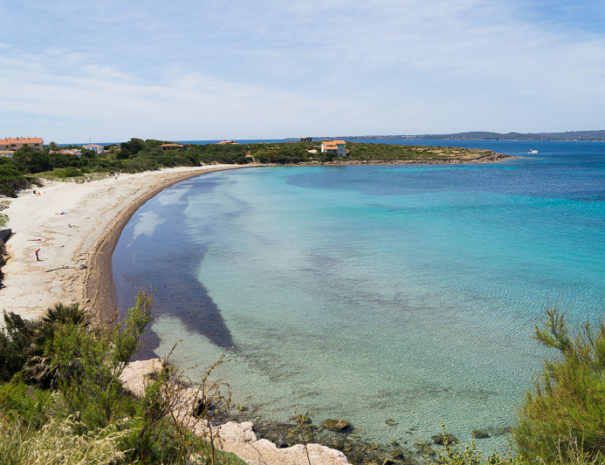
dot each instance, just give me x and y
(172, 145)
(96, 148)
(336, 147)
(15, 143)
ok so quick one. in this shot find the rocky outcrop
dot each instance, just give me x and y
(238, 438)
(336, 425)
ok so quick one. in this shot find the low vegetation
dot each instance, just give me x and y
(26, 165)
(61, 401)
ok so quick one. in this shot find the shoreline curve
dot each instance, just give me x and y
(99, 288)
(75, 226)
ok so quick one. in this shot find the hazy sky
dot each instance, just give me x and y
(108, 70)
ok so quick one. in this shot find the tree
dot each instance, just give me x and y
(565, 415)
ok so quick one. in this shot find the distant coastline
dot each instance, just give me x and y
(567, 136)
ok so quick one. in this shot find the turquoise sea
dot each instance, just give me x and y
(375, 292)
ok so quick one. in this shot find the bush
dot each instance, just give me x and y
(11, 180)
(42, 367)
(15, 338)
(25, 404)
(87, 416)
(565, 415)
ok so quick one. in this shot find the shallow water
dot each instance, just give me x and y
(375, 292)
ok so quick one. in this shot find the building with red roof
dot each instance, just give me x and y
(337, 147)
(15, 143)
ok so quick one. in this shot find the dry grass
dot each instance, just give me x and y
(59, 443)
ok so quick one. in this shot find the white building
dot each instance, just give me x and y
(337, 147)
(96, 148)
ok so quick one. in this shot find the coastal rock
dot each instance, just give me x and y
(480, 434)
(500, 430)
(281, 443)
(424, 448)
(336, 425)
(444, 438)
(397, 453)
(238, 438)
(136, 375)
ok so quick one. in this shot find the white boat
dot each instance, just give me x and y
(532, 151)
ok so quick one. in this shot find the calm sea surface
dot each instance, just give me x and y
(375, 292)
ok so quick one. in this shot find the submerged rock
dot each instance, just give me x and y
(500, 430)
(390, 422)
(480, 434)
(444, 438)
(424, 448)
(336, 425)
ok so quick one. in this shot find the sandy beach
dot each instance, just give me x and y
(75, 227)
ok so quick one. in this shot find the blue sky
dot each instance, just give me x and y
(108, 70)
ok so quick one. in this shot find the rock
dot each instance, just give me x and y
(337, 444)
(281, 443)
(480, 434)
(389, 461)
(442, 439)
(336, 425)
(242, 408)
(500, 430)
(397, 453)
(394, 443)
(390, 422)
(424, 448)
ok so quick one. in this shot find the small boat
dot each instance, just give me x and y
(532, 151)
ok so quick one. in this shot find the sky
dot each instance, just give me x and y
(108, 70)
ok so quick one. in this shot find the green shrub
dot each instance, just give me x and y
(45, 353)
(567, 406)
(15, 338)
(24, 404)
(88, 417)
(11, 180)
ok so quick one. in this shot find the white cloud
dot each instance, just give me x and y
(271, 69)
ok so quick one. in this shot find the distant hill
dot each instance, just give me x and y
(591, 136)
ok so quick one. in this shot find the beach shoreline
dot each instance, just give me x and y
(75, 227)
(99, 275)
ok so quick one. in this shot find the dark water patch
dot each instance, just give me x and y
(170, 275)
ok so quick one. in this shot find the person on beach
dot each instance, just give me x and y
(37, 252)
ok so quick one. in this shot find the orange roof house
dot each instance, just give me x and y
(172, 145)
(15, 143)
(337, 147)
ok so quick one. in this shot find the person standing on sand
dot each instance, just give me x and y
(36, 252)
